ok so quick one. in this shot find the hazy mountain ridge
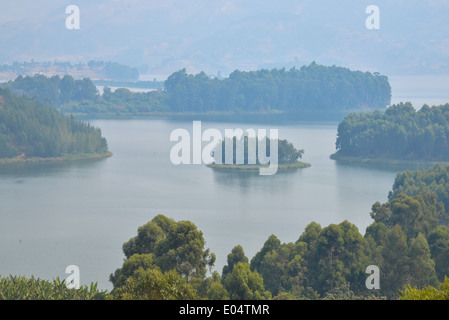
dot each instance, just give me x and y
(161, 38)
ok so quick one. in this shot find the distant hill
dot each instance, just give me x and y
(94, 70)
(221, 36)
(32, 131)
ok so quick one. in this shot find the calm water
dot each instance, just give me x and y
(53, 216)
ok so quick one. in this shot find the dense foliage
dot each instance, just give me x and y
(31, 129)
(82, 97)
(287, 153)
(434, 180)
(313, 88)
(53, 90)
(400, 132)
(22, 288)
(427, 293)
(165, 245)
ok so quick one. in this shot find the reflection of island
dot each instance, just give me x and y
(251, 182)
(247, 159)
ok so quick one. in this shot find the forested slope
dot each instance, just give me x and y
(400, 132)
(29, 129)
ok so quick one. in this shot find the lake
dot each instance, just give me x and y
(55, 215)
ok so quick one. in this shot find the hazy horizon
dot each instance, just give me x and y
(221, 36)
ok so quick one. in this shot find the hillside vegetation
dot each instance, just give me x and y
(29, 129)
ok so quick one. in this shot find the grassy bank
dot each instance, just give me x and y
(256, 167)
(63, 158)
(384, 162)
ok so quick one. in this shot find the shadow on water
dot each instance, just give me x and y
(387, 167)
(251, 181)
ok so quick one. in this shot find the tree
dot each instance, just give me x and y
(428, 293)
(244, 284)
(395, 267)
(152, 284)
(422, 267)
(237, 255)
(271, 244)
(130, 266)
(415, 214)
(340, 254)
(288, 153)
(172, 245)
(438, 241)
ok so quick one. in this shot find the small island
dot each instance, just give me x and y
(288, 157)
(33, 132)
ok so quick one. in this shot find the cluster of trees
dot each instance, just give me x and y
(30, 129)
(406, 241)
(312, 88)
(287, 153)
(433, 180)
(122, 101)
(54, 90)
(72, 96)
(400, 132)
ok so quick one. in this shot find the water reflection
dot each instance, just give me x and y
(251, 181)
(37, 169)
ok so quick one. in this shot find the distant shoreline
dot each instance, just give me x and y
(63, 158)
(225, 116)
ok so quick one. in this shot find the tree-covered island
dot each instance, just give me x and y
(286, 155)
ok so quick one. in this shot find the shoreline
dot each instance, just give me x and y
(256, 167)
(219, 116)
(385, 162)
(63, 158)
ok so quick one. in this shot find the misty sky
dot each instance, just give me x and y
(224, 35)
